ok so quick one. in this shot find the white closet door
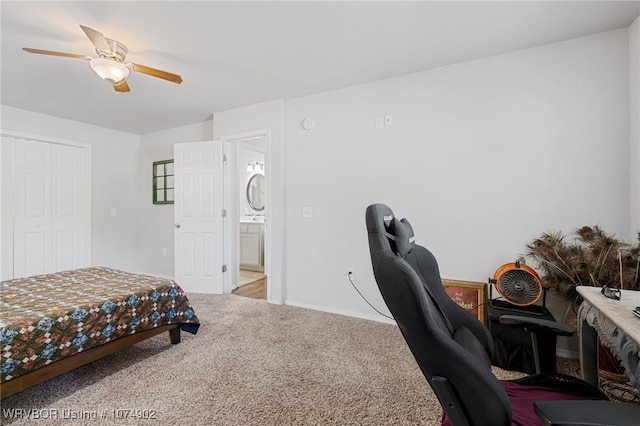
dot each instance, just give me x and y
(67, 207)
(50, 208)
(32, 208)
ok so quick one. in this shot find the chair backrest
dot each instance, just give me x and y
(449, 344)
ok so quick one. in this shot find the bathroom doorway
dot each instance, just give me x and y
(247, 214)
(252, 280)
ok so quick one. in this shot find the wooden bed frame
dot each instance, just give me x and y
(32, 378)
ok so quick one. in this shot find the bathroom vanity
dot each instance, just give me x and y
(252, 243)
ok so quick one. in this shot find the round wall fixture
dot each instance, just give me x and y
(308, 124)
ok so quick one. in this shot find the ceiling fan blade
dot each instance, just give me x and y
(51, 52)
(121, 86)
(97, 38)
(175, 78)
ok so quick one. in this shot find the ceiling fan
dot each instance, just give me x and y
(109, 64)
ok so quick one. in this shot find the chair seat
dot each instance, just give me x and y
(522, 398)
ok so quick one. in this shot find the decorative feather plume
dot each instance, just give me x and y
(592, 258)
(585, 233)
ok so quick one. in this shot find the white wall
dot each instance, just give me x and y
(155, 221)
(115, 171)
(634, 132)
(482, 157)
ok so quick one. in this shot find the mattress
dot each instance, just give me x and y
(49, 317)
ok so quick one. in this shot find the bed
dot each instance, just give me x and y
(51, 324)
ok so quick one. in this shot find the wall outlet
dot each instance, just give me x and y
(307, 212)
(164, 251)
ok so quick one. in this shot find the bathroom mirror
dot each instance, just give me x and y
(255, 192)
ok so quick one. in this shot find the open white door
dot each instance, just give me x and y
(198, 216)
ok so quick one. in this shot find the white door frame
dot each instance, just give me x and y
(7, 204)
(231, 229)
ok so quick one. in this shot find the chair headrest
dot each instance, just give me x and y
(386, 231)
(403, 237)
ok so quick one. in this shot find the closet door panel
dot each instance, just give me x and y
(32, 208)
(37, 253)
(67, 197)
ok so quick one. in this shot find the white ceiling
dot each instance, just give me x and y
(232, 54)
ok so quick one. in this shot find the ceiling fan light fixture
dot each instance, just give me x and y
(110, 65)
(108, 69)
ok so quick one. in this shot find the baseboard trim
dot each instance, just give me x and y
(345, 312)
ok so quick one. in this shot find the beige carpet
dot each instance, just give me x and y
(251, 363)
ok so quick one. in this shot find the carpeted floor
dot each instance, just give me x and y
(251, 363)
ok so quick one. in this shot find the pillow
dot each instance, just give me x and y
(403, 237)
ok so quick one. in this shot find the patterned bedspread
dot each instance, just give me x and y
(49, 317)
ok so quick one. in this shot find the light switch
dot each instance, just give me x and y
(307, 212)
(379, 122)
(114, 211)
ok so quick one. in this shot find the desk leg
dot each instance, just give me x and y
(589, 353)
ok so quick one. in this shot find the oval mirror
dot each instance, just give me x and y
(255, 192)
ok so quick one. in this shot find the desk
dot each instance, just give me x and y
(617, 328)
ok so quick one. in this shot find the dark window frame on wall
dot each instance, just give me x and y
(163, 182)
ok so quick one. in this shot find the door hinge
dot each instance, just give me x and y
(224, 268)
(224, 213)
(224, 158)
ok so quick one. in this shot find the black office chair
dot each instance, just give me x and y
(453, 349)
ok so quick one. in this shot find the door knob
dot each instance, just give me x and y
(176, 225)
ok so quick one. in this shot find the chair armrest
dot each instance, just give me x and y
(586, 413)
(537, 324)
